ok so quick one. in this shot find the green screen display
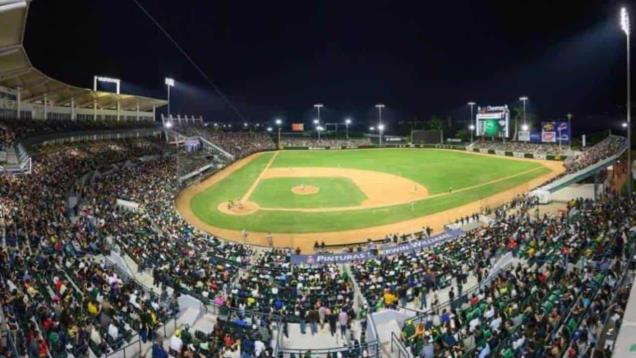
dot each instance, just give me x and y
(491, 127)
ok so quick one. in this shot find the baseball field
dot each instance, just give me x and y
(342, 196)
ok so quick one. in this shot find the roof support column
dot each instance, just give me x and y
(137, 111)
(118, 109)
(18, 101)
(94, 109)
(46, 109)
(154, 109)
(73, 115)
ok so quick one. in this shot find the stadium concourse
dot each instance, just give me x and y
(96, 261)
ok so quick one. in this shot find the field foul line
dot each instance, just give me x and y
(260, 176)
(351, 208)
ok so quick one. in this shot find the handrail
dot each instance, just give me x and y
(399, 345)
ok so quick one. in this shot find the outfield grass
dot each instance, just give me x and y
(435, 169)
(334, 192)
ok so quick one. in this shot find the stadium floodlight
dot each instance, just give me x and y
(347, 123)
(96, 79)
(269, 129)
(371, 129)
(245, 124)
(168, 125)
(626, 29)
(624, 124)
(169, 83)
(318, 106)
(316, 121)
(379, 106)
(524, 127)
(472, 104)
(278, 122)
(524, 99)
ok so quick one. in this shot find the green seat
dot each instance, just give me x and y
(507, 353)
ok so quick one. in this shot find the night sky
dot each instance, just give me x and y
(276, 59)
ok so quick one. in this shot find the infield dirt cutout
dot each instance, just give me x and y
(305, 189)
(374, 188)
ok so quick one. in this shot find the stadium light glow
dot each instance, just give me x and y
(278, 121)
(245, 124)
(347, 123)
(624, 124)
(269, 129)
(471, 127)
(523, 99)
(168, 125)
(371, 129)
(524, 127)
(379, 106)
(316, 121)
(625, 21)
(472, 121)
(169, 83)
(626, 29)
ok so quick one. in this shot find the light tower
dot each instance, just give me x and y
(347, 123)
(379, 106)
(169, 83)
(626, 29)
(472, 104)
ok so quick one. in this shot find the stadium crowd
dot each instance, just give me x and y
(291, 142)
(238, 143)
(61, 298)
(569, 265)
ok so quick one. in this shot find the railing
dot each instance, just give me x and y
(398, 346)
(137, 347)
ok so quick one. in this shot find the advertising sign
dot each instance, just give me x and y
(298, 127)
(524, 136)
(555, 132)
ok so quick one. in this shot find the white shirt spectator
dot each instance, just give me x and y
(113, 331)
(176, 344)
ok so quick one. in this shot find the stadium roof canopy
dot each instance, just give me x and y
(16, 71)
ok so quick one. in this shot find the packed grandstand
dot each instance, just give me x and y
(96, 260)
(563, 284)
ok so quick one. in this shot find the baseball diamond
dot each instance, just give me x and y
(355, 193)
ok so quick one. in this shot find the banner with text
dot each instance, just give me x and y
(383, 250)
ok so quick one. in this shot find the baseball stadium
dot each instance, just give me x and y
(305, 228)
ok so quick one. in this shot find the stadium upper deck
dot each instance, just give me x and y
(26, 92)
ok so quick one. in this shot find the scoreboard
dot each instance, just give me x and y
(493, 121)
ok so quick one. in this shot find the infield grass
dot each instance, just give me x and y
(435, 169)
(334, 192)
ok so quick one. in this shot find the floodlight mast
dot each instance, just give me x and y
(278, 122)
(379, 106)
(472, 119)
(625, 26)
(169, 83)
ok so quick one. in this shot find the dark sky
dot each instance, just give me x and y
(278, 58)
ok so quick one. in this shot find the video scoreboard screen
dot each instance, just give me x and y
(493, 121)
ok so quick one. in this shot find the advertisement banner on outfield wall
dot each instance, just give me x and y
(383, 250)
(524, 136)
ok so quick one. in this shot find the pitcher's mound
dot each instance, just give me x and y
(238, 208)
(305, 189)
